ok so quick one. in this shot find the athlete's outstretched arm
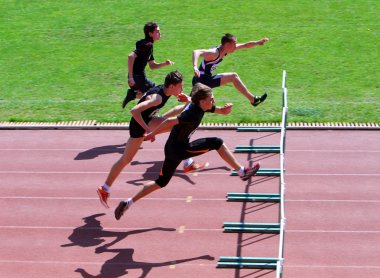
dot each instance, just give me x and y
(251, 44)
(225, 110)
(154, 65)
(165, 125)
(174, 111)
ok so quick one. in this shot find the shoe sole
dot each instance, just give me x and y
(201, 167)
(101, 199)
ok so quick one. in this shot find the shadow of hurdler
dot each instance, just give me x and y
(123, 261)
(97, 151)
(92, 233)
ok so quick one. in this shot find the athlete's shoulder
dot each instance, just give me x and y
(158, 89)
(144, 45)
(193, 111)
(212, 54)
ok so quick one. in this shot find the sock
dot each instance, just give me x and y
(129, 202)
(188, 162)
(106, 188)
(241, 171)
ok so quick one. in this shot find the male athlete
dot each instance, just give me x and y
(213, 57)
(144, 120)
(137, 61)
(179, 147)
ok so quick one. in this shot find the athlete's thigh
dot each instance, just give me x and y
(155, 122)
(132, 146)
(226, 77)
(210, 81)
(167, 171)
(135, 129)
(143, 83)
(203, 145)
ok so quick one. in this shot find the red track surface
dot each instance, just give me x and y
(52, 224)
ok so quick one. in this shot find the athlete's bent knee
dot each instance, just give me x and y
(217, 143)
(162, 181)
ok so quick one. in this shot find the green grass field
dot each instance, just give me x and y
(67, 60)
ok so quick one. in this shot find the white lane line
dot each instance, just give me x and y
(100, 149)
(95, 198)
(95, 263)
(181, 229)
(336, 201)
(333, 266)
(203, 264)
(200, 173)
(336, 151)
(182, 199)
(331, 231)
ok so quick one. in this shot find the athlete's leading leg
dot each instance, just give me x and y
(232, 77)
(228, 157)
(131, 148)
(244, 173)
(168, 168)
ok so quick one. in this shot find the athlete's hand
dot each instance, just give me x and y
(183, 98)
(131, 82)
(149, 137)
(262, 41)
(169, 63)
(227, 108)
(196, 72)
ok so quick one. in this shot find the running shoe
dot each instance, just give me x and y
(250, 171)
(121, 208)
(131, 95)
(103, 196)
(259, 100)
(194, 167)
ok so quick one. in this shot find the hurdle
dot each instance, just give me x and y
(275, 263)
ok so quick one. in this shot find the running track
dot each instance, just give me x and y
(52, 224)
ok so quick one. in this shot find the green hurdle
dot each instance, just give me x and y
(262, 172)
(254, 197)
(258, 129)
(257, 149)
(247, 262)
(243, 227)
(261, 228)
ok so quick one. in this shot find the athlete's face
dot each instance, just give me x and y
(156, 34)
(177, 89)
(208, 102)
(230, 46)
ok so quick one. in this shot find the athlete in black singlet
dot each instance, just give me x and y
(137, 61)
(179, 147)
(143, 121)
(213, 57)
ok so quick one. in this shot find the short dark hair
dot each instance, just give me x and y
(228, 38)
(149, 27)
(200, 92)
(173, 78)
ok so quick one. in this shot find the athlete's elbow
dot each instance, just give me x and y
(133, 112)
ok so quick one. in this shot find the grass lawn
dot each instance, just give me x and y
(67, 60)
